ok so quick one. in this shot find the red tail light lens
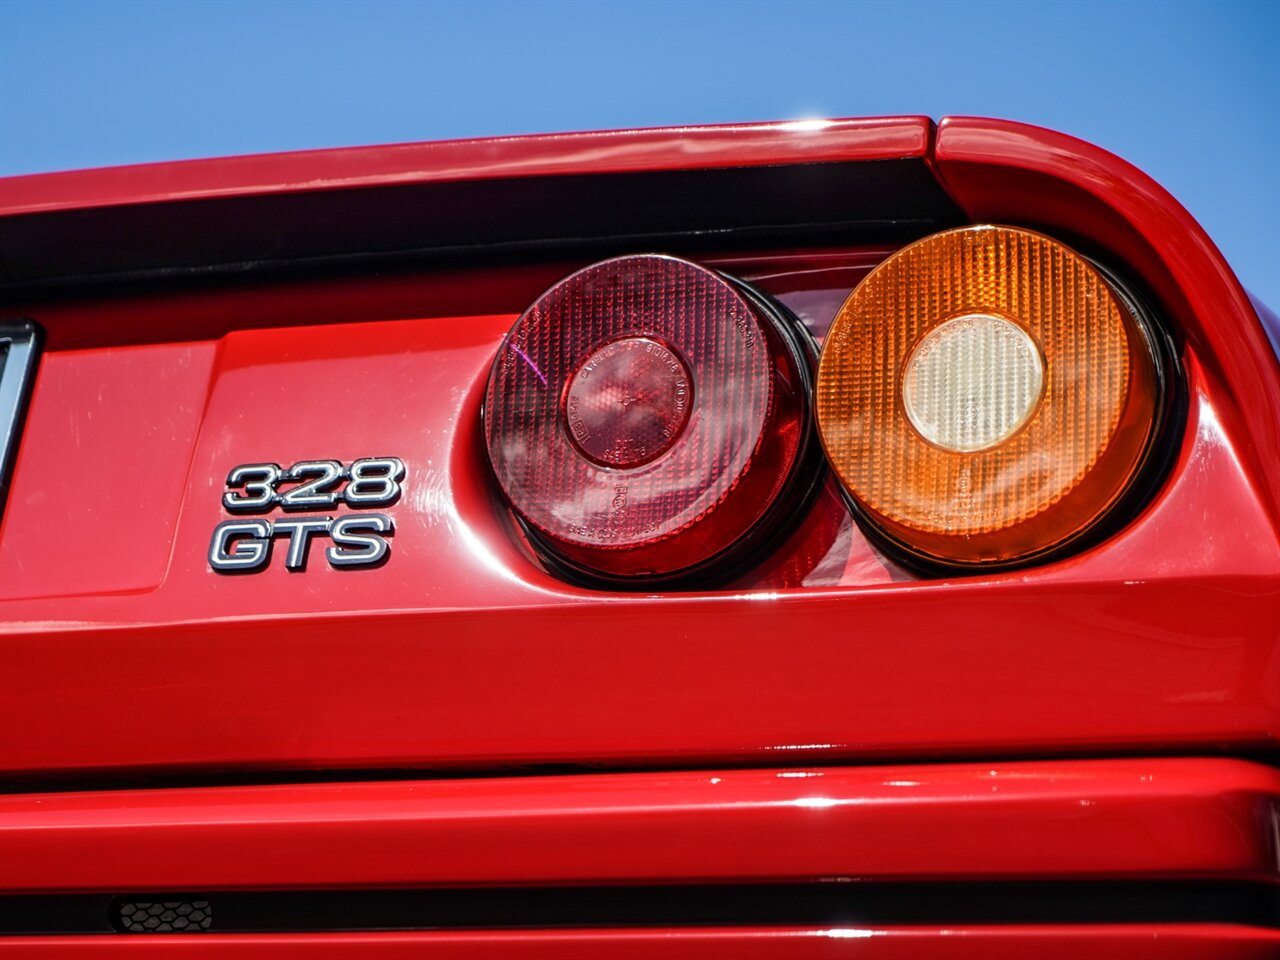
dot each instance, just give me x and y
(646, 417)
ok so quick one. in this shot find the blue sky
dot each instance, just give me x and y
(1190, 92)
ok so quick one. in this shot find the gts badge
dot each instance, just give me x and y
(243, 545)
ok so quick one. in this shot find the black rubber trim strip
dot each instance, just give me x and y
(829, 904)
(75, 251)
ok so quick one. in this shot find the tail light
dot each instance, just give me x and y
(986, 395)
(649, 419)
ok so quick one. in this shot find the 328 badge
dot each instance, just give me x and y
(244, 545)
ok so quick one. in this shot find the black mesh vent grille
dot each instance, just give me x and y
(171, 916)
(827, 905)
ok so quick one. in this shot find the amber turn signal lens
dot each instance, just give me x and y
(985, 395)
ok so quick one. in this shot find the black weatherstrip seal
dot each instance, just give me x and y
(72, 252)
(827, 905)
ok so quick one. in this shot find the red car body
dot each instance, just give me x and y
(462, 719)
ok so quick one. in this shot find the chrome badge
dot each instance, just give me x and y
(243, 545)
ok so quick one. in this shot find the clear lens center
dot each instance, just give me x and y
(972, 382)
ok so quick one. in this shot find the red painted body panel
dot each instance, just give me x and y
(122, 654)
(617, 151)
(462, 651)
(1081, 819)
(1044, 942)
(480, 658)
(94, 406)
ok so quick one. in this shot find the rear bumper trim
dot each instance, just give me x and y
(1104, 819)
(860, 905)
(1045, 942)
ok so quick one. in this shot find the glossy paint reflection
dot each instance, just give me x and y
(1065, 819)
(462, 652)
